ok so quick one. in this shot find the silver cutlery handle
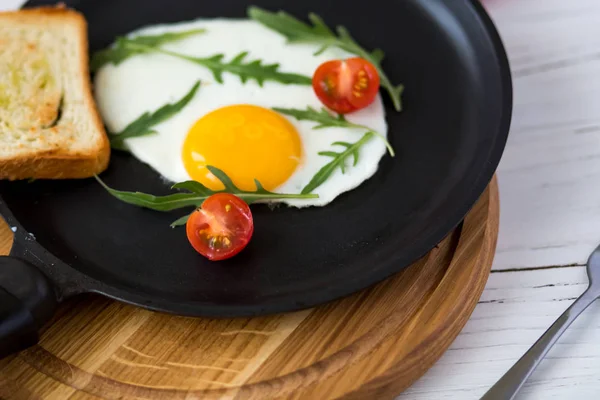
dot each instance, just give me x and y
(508, 386)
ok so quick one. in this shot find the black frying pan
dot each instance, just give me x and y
(71, 237)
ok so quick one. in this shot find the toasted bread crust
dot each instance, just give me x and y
(61, 163)
(54, 165)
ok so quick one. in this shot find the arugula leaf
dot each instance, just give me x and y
(339, 161)
(143, 125)
(180, 221)
(323, 117)
(297, 31)
(114, 55)
(119, 52)
(157, 40)
(197, 193)
(253, 70)
(326, 120)
(158, 203)
(293, 29)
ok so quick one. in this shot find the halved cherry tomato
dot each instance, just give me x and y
(221, 228)
(346, 85)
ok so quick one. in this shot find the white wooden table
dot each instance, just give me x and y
(550, 211)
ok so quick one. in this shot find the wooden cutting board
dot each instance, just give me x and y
(370, 345)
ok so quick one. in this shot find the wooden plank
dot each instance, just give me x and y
(515, 309)
(551, 167)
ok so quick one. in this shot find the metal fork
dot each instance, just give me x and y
(508, 386)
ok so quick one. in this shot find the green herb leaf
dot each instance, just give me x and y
(192, 186)
(323, 117)
(327, 120)
(318, 33)
(119, 52)
(339, 161)
(157, 40)
(143, 125)
(293, 29)
(180, 221)
(114, 55)
(158, 203)
(253, 70)
(197, 193)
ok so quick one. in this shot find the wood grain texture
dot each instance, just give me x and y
(373, 344)
(551, 166)
(514, 310)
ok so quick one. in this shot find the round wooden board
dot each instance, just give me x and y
(372, 344)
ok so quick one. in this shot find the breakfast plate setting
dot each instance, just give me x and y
(245, 164)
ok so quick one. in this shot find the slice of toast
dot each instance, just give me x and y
(49, 125)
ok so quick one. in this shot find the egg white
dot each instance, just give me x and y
(146, 82)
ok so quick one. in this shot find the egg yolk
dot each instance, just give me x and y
(247, 142)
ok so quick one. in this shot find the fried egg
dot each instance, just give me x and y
(232, 125)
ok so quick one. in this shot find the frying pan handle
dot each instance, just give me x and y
(27, 302)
